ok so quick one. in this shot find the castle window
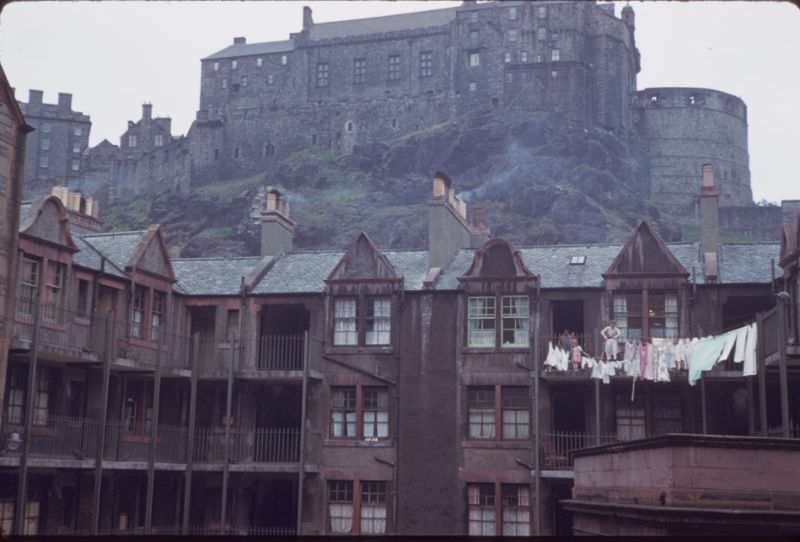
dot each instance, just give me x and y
(216, 66)
(224, 83)
(473, 17)
(44, 161)
(426, 64)
(76, 165)
(359, 71)
(512, 14)
(45, 144)
(322, 74)
(259, 62)
(691, 100)
(541, 12)
(349, 126)
(46, 127)
(541, 33)
(77, 131)
(474, 35)
(654, 99)
(159, 140)
(555, 55)
(554, 74)
(474, 59)
(216, 154)
(269, 149)
(538, 58)
(132, 141)
(313, 139)
(513, 35)
(394, 124)
(509, 77)
(244, 80)
(284, 60)
(76, 147)
(507, 57)
(394, 67)
(236, 152)
(523, 56)
(473, 87)
(270, 79)
(234, 64)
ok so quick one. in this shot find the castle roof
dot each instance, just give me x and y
(380, 25)
(251, 49)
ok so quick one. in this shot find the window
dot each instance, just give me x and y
(159, 140)
(481, 321)
(76, 165)
(523, 56)
(284, 60)
(630, 417)
(30, 523)
(473, 87)
(541, 12)
(28, 287)
(216, 66)
(378, 320)
(137, 315)
(541, 33)
(6, 515)
(538, 58)
(77, 131)
(234, 64)
(554, 74)
(345, 332)
(509, 77)
(376, 413)
(516, 412)
(55, 292)
(131, 140)
(474, 59)
(577, 260)
(481, 509)
(236, 152)
(224, 83)
(343, 413)
(394, 67)
(555, 55)
(513, 35)
(373, 507)
(512, 14)
(259, 62)
(667, 414)
(662, 315)
(41, 401)
(516, 510)
(514, 330)
(244, 80)
(232, 324)
(15, 395)
(46, 127)
(481, 412)
(44, 162)
(348, 126)
(45, 144)
(474, 36)
(340, 505)
(322, 74)
(83, 297)
(76, 147)
(507, 57)
(157, 314)
(473, 17)
(426, 64)
(359, 71)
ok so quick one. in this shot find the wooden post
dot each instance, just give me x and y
(302, 458)
(226, 454)
(151, 459)
(597, 412)
(22, 479)
(534, 344)
(782, 372)
(703, 412)
(101, 430)
(187, 484)
(751, 406)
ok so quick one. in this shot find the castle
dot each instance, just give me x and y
(340, 84)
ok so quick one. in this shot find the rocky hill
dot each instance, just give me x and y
(540, 181)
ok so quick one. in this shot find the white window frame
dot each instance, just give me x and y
(378, 321)
(259, 62)
(523, 56)
(474, 60)
(345, 321)
(507, 57)
(216, 66)
(159, 140)
(512, 13)
(284, 60)
(555, 55)
(481, 321)
(76, 165)
(234, 64)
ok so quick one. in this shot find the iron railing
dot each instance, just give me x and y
(280, 352)
(269, 445)
(557, 448)
(59, 436)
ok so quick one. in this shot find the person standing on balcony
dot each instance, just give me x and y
(611, 334)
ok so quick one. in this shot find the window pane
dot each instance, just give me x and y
(515, 321)
(378, 321)
(481, 413)
(481, 314)
(345, 332)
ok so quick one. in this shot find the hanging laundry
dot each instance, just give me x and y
(750, 357)
(642, 360)
(741, 340)
(730, 341)
(704, 356)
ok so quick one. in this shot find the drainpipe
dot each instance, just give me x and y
(302, 458)
(22, 479)
(101, 430)
(187, 484)
(151, 459)
(227, 450)
(782, 371)
(536, 427)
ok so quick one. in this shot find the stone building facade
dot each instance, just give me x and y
(55, 149)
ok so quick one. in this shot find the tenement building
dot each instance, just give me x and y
(360, 390)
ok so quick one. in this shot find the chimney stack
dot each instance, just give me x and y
(239, 40)
(277, 229)
(35, 97)
(147, 111)
(709, 223)
(449, 228)
(65, 101)
(308, 19)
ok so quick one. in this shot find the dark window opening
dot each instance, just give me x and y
(281, 337)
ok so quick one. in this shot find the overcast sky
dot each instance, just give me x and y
(112, 56)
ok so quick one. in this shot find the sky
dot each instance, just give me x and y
(114, 56)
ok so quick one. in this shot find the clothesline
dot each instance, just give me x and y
(657, 359)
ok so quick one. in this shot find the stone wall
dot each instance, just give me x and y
(752, 223)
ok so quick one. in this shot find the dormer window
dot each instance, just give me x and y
(376, 324)
(344, 322)
(378, 321)
(577, 260)
(483, 325)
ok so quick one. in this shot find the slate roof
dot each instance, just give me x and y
(117, 247)
(411, 264)
(748, 263)
(299, 272)
(212, 276)
(25, 209)
(380, 25)
(250, 49)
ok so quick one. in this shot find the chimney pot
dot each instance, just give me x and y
(277, 229)
(308, 18)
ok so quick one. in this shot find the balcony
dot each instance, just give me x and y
(280, 352)
(557, 448)
(124, 443)
(268, 445)
(140, 347)
(61, 437)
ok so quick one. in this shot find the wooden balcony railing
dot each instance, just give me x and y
(557, 448)
(125, 443)
(270, 445)
(280, 352)
(58, 436)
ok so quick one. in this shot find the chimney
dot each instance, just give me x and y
(65, 101)
(277, 229)
(147, 111)
(789, 210)
(35, 97)
(709, 223)
(449, 229)
(629, 17)
(308, 19)
(239, 40)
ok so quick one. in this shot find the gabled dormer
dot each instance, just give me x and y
(151, 256)
(46, 222)
(500, 292)
(363, 292)
(646, 283)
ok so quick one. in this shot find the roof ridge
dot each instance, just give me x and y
(421, 12)
(113, 233)
(215, 258)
